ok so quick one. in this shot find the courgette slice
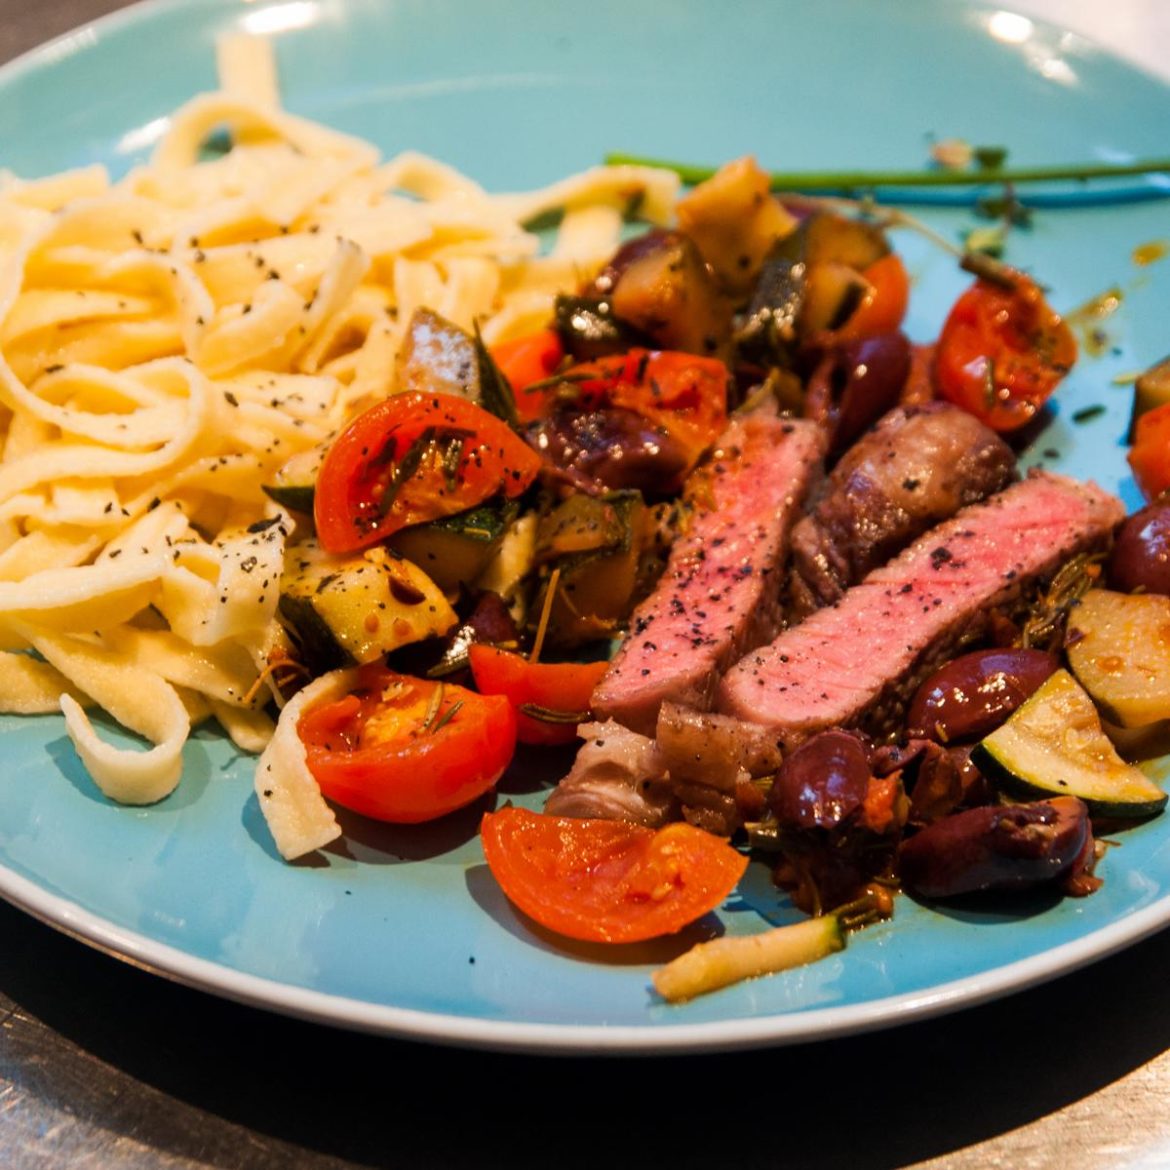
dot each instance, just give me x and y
(345, 610)
(455, 550)
(1151, 390)
(1054, 745)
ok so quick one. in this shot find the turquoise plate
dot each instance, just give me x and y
(403, 931)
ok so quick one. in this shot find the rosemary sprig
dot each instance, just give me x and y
(548, 715)
(868, 180)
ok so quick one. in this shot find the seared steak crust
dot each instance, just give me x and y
(916, 467)
(850, 664)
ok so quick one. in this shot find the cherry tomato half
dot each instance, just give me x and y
(412, 458)
(528, 361)
(1149, 457)
(608, 881)
(1002, 352)
(684, 394)
(400, 749)
(557, 687)
(884, 306)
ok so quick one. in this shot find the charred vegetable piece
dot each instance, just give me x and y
(437, 357)
(973, 694)
(581, 524)
(595, 589)
(659, 284)
(997, 847)
(1054, 745)
(1140, 559)
(735, 221)
(455, 550)
(342, 610)
(589, 328)
(798, 294)
(1119, 649)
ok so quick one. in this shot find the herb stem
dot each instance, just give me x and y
(865, 180)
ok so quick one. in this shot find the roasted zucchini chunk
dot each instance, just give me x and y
(1151, 390)
(437, 357)
(455, 550)
(344, 610)
(595, 544)
(295, 483)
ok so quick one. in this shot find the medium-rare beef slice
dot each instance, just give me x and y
(915, 468)
(720, 593)
(852, 664)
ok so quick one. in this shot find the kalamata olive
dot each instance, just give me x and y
(1141, 552)
(821, 783)
(610, 449)
(854, 383)
(996, 847)
(973, 694)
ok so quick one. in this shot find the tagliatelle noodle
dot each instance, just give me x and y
(169, 340)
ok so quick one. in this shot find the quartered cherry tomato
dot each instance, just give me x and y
(1002, 352)
(608, 881)
(684, 394)
(559, 689)
(404, 749)
(526, 362)
(412, 458)
(1149, 457)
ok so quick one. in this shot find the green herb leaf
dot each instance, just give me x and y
(548, 715)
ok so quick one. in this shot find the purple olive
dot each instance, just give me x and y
(822, 783)
(1141, 553)
(973, 694)
(854, 383)
(608, 450)
(996, 847)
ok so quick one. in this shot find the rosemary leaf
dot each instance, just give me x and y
(495, 392)
(548, 715)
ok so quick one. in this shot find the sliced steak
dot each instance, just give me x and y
(720, 593)
(854, 663)
(915, 468)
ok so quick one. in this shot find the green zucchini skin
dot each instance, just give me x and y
(1029, 756)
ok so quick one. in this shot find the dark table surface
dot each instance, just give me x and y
(104, 1065)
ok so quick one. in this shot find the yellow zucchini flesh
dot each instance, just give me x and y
(1119, 649)
(1054, 745)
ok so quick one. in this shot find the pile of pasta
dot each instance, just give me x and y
(168, 341)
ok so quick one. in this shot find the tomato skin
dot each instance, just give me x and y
(363, 458)
(1149, 457)
(402, 773)
(558, 686)
(608, 881)
(883, 308)
(526, 361)
(1002, 352)
(684, 394)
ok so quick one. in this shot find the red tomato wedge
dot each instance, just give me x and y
(1149, 457)
(404, 749)
(412, 458)
(608, 881)
(684, 394)
(1002, 352)
(560, 688)
(525, 362)
(884, 306)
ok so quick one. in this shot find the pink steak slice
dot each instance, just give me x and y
(852, 663)
(719, 594)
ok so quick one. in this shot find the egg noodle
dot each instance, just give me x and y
(168, 341)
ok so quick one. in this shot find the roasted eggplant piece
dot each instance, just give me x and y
(590, 330)
(660, 285)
